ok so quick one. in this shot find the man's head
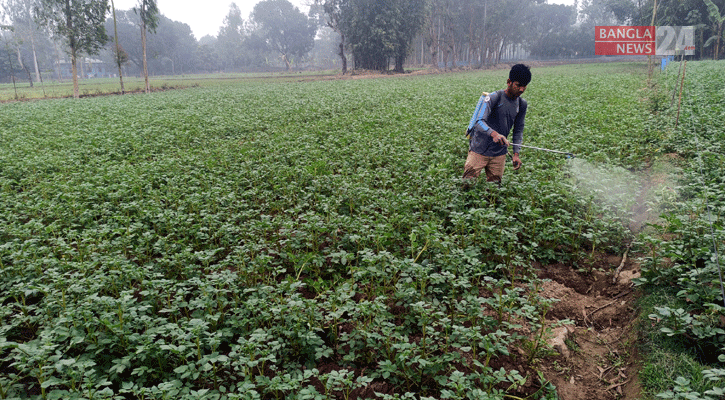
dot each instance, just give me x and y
(519, 78)
(520, 73)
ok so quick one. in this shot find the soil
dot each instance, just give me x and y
(597, 357)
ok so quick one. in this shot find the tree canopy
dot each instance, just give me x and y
(376, 31)
(372, 34)
(284, 29)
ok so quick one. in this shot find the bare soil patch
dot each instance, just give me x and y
(598, 360)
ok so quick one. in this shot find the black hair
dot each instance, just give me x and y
(520, 73)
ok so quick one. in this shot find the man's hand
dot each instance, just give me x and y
(517, 162)
(499, 138)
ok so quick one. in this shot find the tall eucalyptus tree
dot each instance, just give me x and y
(119, 55)
(20, 14)
(148, 12)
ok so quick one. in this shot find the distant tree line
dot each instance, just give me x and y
(40, 35)
(451, 33)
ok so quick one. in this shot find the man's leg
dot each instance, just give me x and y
(494, 168)
(475, 163)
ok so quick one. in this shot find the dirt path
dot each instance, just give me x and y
(598, 353)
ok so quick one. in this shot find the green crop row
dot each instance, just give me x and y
(683, 266)
(297, 240)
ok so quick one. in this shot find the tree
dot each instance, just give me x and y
(624, 10)
(206, 58)
(432, 30)
(478, 31)
(411, 15)
(717, 21)
(284, 28)
(550, 30)
(334, 12)
(126, 33)
(369, 28)
(171, 49)
(450, 31)
(505, 20)
(6, 31)
(174, 46)
(473, 12)
(119, 55)
(695, 19)
(20, 13)
(380, 31)
(148, 11)
(79, 22)
(231, 39)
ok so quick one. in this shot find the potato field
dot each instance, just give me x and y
(311, 238)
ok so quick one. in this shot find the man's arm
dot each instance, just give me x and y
(519, 123)
(518, 133)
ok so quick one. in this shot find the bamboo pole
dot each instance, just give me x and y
(651, 63)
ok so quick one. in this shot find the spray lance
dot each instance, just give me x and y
(568, 155)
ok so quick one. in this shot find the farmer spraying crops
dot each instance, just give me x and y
(495, 115)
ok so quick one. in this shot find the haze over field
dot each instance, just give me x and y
(208, 19)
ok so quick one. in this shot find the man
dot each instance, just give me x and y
(495, 115)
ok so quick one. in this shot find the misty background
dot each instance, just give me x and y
(277, 35)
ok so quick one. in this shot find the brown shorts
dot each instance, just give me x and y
(475, 163)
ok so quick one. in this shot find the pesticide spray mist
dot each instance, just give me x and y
(634, 197)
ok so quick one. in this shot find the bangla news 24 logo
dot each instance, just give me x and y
(644, 40)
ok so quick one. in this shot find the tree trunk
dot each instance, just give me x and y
(35, 60)
(58, 60)
(73, 50)
(431, 38)
(470, 53)
(399, 64)
(342, 54)
(23, 66)
(74, 71)
(484, 46)
(454, 51)
(717, 42)
(143, 46)
(10, 63)
(446, 48)
(500, 51)
(433, 55)
(145, 63)
(118, 50)
(433, 47)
